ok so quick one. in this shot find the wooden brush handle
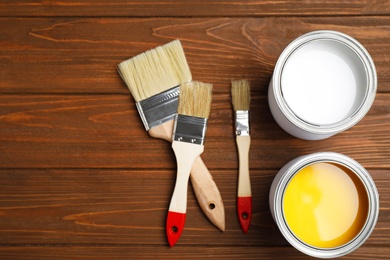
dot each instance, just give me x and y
(185, 153)
(163, 131)
(244, 192)
(207, 194)
(205, 188)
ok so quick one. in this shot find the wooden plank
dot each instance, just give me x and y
(129, 207)
(179, 252)
(77, 55)
(79, 176)
(191, 8)
(105, 131)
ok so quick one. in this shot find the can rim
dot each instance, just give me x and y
(372, 194)
(362, 54)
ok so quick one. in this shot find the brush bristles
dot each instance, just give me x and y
(155, 71)
(179, 62)
(195, 99)
(241, 95)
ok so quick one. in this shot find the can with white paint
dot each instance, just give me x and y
(324, 82)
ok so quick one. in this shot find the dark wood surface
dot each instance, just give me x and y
(79, 176)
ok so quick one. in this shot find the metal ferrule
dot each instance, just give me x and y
(159, 108)
(242, 122)
(189, 129)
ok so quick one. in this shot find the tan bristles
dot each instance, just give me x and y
(195, 99)
(179, 62)
(155, 71)
(241, 95)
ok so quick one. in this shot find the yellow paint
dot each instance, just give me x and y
(325, 205)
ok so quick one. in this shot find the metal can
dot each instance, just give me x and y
(278, 193)
(324, 82)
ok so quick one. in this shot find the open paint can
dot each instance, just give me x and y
(324, 82)
(325, 204)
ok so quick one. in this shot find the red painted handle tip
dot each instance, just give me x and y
(244, 211)
(174, 226)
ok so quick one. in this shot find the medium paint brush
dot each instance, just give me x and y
(188, 139)
(241, 102)
(153, 78)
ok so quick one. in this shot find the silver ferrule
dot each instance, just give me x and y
(242, 122)
(189, 129)
(159, 108)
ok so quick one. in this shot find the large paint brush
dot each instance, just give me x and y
(153, 78)
(241, 102)
(188, 139)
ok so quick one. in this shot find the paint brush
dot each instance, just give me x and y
(153, 78)
(241, 102)
(188, 139)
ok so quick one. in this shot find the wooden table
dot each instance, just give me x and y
(80, 177)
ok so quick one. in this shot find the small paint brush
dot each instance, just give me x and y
(153, 78)
(188, 139)
(241, 102)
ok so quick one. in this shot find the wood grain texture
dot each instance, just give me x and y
(79, 55)
(105, 131)
(179, 8)
(80, 178)
(128, 207)
(179, 252)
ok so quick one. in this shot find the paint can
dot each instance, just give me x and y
(329, 227)
(324, 82)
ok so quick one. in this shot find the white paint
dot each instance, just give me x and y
(323, 82)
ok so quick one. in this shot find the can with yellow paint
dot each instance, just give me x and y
(325, 204)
